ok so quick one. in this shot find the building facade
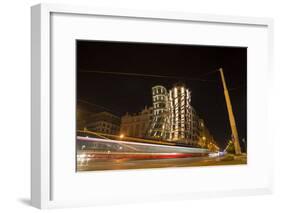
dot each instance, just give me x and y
(174, 119)
(171, 118)
(205, 139)
(136, 125)
(104, 122)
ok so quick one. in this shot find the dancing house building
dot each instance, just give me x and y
(174, 119)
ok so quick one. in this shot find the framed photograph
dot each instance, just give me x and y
(133, 106)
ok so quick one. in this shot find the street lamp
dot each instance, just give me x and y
(121, 136)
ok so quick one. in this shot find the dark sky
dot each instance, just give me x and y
(139, 66)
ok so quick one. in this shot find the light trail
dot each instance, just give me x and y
(129, 138)
(167, 148)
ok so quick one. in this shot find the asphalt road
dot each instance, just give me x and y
(120, 164)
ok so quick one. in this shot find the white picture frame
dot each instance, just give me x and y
(42, 162)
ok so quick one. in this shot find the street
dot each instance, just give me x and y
(119, 164)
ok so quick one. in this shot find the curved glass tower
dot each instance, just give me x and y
(160, 121)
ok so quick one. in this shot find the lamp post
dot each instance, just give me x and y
(231, 116)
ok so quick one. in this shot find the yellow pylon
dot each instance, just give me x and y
(231, 116)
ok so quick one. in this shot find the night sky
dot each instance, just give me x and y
(118, 76)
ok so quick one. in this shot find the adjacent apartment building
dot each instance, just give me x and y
(104, 122)
(137, 124)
